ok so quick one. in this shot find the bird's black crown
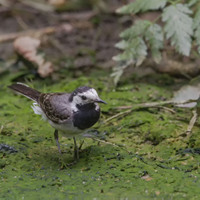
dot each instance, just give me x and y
(79, 90)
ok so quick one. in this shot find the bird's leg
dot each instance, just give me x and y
(76, 150)
(56, 138)
(82, 142)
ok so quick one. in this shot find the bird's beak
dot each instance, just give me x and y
(100, 101)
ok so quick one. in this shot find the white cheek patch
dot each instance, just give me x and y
(77, 100)
(91, 94)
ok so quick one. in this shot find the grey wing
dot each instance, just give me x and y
(55, 106)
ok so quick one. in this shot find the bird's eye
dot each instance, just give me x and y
(83, 97)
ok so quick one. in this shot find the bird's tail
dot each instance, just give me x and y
(26, 91)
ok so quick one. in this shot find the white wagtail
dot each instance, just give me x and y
(69, 113)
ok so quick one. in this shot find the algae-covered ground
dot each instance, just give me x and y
(146, 154)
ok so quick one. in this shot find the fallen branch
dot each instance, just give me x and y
(167, 109)
(35, 32)
(148, 105)
(77, 16)
(39, 32)
(156, 104)
(118, 115)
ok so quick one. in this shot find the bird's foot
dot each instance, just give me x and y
(76, 154)
(64, 165)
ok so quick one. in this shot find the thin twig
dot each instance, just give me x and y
(39, 32)
(148, 105)
(21, 22)
(5, 3)
(154, 104)
(162, 103)
(115, 145)
(38, 5)
(118, 115)
(34, 32)
(167, 109)
(57, 45)
(192, 122)
(77, 16)
(67, 27)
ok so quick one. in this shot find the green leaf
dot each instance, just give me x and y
(196, 28)
(137, 29)
(192, 3)
(196, 23)
(142, 6)
(178, 27)
(119, 70)
(117, 74)
(154, 37)
(135, 51)
(133, 42)
(122, 45)
(197, 37)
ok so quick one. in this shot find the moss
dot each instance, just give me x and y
(161, 165)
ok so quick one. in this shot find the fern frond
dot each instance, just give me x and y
(119, 70)
(197, 37)
(192, 3)
(136, 30)
(142, 6)
(196, 28)
(135, 50)
(196, 23)
(178, 27)
(133, 44)
(117, 74)
(123, 44)
(154, 37)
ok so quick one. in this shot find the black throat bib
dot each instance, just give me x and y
(86, 116)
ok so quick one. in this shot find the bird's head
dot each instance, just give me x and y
(85, 95)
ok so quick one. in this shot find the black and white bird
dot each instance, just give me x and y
(69, 113)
